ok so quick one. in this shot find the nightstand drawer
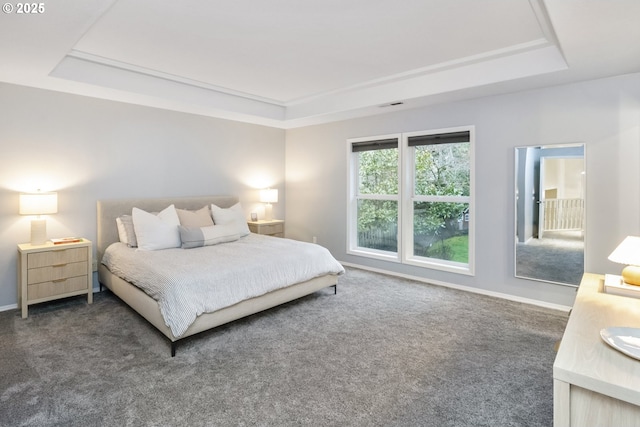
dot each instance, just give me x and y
(56, 287)
(267, 227)
(272, 229)
(56, 272)
(56, 257)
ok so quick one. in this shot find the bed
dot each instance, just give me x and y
(154, 308)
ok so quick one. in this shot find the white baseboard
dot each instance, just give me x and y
(423, 280)
(8, 307)
(515, 298)
(96, 289)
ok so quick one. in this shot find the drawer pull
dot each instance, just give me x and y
(59, 280)
(59, 265)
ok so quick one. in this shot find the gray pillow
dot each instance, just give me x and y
(126, 232)
(195, 237)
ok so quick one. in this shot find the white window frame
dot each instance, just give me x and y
(405, 200)
(354, 195)
(409, 198)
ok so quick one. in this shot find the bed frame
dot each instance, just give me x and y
(147, 307)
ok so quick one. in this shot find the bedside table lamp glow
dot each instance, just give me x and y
(38, 204)
(628, 253)
(268, 196)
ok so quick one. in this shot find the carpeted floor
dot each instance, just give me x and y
(382, 352)
(558, 257)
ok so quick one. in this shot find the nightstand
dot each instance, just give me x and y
(275, 227)
(48, 272)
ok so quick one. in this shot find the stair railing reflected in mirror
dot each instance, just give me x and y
(550, 224)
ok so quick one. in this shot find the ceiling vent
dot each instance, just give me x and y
(392, 104)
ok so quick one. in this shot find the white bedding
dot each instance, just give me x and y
(189, 282)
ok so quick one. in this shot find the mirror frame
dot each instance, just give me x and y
(517, 201)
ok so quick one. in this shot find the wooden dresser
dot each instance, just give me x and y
(594, 384)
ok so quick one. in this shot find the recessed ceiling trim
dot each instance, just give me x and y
(542, 16)
(473, 74)
(532, 58)
(85, 56)
(484, 56)
(459, 62)
(103, 75)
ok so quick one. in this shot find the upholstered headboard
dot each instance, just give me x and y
(109, 210)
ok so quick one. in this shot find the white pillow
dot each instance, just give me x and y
(233, 215)
(155, 232)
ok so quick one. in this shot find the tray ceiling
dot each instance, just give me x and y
(289, 63)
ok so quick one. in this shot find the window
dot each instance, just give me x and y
(375, 197)
(411, 198)
(438, 199)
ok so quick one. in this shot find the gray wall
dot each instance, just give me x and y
(88, 149)
(604, 114)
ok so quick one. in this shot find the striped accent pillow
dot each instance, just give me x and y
(195, 237)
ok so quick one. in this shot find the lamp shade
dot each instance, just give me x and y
(269, 195)
(627, 252)
(38, 203)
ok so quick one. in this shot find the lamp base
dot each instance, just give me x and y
(38, 231)
(631, 275)
(268, 211)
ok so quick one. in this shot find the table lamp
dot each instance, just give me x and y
(268, 196)
(38, 204)
(628, 253)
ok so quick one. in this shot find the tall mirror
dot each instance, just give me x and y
(550, 213)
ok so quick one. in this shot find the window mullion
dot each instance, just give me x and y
(449, 199)
(392, 197)
(408, 180)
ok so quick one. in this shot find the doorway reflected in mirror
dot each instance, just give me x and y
(550, 218)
